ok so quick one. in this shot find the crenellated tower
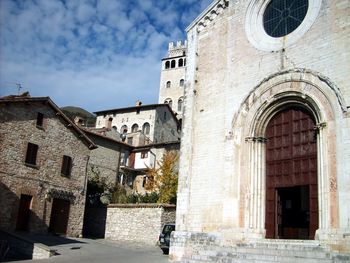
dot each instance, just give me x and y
(172, 78)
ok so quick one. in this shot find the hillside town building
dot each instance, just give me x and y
(141, 124)
(271, 182)
(149, 130)
(43, 165)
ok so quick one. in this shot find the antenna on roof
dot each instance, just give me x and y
(19, 87)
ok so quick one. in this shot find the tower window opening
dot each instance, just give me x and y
(181, 62)
(172, 64)
(168, 84)
(180, 104)
(169, 101)
(167, 64)
(182, 82)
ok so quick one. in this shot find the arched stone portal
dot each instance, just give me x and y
(294, 89)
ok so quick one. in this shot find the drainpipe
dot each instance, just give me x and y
(86, 175)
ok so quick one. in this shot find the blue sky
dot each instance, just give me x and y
(95, 54)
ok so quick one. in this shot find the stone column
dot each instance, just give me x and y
(257, 187)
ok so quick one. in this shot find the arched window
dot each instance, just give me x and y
(167, 64)
(181, 62)
(146, 128)
(182, 82)
(180, 104)
(124, 129)
(134, 128)
(169, 101)
(173, 64)
(168, 84)
(109, 123)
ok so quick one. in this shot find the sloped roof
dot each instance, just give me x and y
(25, 98)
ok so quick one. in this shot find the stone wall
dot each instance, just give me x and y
(104, 161)
(138, 222)
(44, 180)
(165, 129)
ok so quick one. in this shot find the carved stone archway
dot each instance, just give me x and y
(297, 88)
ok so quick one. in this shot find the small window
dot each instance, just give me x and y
(184, 62)
(124, 129)
(169, 101)
(66, 165)
(164, 116)
(134, 128)
(144, 180)
(109, 123)
(146, 128)
(137, 111)
(40, 120)
(173, 64)
(144, 155)
(182, 82)
(181, 62)
(130, 139)
(179, 104)
(167, 64)
(32, 151)
(168, 84)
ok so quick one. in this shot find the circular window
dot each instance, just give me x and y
(282, 17)
(268, 22)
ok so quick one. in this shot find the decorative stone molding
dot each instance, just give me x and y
(60, 194)
(209, 15)
(300, 88)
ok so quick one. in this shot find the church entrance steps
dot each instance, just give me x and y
(293, 251)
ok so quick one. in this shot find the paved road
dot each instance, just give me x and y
(103, 251)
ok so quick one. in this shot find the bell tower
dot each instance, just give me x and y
(172, 78)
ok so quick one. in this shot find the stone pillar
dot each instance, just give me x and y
(257, 188)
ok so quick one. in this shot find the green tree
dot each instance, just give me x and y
(163, 179)
(99, 191)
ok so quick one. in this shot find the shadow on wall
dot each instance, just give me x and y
(94, 221)
(16, 221)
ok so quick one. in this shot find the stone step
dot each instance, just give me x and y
(319, 253)
(269, 252)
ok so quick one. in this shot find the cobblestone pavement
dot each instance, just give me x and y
(104, 251)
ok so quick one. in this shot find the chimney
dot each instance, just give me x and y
(138, 103)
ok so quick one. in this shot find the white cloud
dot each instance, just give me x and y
(95, 54)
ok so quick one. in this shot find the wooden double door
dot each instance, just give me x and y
(291, 176)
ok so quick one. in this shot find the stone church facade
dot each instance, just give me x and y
(267, 127)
